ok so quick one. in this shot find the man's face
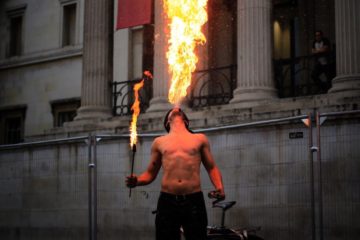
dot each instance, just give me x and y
(318, 36)
(175, 113)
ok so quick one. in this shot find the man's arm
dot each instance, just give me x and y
(324, 49)
(151, 172)
(210, 166)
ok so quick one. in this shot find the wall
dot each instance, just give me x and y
(36, 86)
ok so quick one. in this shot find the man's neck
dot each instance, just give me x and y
(178, 127)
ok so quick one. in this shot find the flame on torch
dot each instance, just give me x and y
(136, 111)
(186, 20)
(148, 74)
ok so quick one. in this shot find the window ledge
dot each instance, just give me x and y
(41, 57)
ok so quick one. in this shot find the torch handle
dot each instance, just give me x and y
(132, 165)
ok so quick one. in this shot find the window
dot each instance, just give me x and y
(12, 125)
(69, 25)
(15, 36)
(294, 24)
(15, 18)
(142, 50)
(64, 111)
(215, 79)
(222, 33)
(137, 52)
(148, 48)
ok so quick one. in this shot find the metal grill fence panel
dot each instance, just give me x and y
(44, 191)
(338, 177)
(77, 190)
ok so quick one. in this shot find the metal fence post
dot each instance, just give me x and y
(308, 122)
(92, 200)
(95, 140)
(319, 121)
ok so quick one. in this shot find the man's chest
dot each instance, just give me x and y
(319, 45)
(182, 146)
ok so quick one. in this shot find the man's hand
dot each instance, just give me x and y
(131, 181)
(217, 194)
(221, 193)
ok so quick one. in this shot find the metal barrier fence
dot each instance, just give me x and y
(338, 166)
(267, 166)
(44, 189)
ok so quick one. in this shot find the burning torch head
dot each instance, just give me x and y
(175, 112)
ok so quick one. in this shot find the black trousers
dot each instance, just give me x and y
(186, 211)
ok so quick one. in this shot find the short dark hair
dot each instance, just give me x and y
(183, 115)
(319, 31)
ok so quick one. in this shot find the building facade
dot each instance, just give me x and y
(44, 76)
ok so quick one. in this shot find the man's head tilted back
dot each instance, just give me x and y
(171, 114)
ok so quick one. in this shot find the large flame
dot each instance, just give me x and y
(136, 111)
(186, 20)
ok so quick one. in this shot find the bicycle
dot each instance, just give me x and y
(222, 232)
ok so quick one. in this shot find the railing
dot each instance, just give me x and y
(123, 96)
(214, 86)
(293, 76)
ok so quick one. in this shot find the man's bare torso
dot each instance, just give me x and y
(180, 154)
(181, 160)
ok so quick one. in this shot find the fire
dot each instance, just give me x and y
(136, 111)
(186, 20)
(148, 74)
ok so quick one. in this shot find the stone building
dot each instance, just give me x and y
(65, 71)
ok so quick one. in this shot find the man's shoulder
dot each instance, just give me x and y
(158, 142)
(200, 136)
(159, 139)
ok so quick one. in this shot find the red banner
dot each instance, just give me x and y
(134, 12)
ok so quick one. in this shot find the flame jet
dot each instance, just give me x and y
(186, 18)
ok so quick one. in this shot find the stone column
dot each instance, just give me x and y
(97, 60)
(347, 31)
(161, 82)
(254, 75)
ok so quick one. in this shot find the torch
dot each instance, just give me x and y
(133, 129)
(132, 163)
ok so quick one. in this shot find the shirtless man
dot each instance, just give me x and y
(181, 202)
